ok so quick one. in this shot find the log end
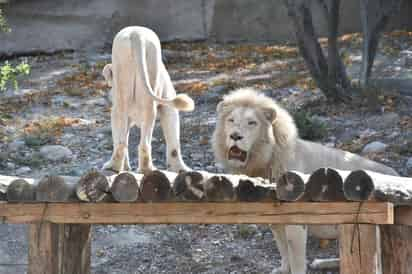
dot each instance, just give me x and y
(155, 187)
(358, 186)
(290, 187)
(219, 189)
(92, 186)
(125, 188)
(188, 186)
(20, 190)
(248, 191)
(325, 184)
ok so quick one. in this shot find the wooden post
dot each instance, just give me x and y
(359, 249)
(396, 249)
(74, 248)
(59, 248)
(43, 246)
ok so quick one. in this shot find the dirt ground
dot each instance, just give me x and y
(64, 101)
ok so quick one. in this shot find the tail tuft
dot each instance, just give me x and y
(183, 102)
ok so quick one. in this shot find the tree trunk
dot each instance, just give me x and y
(325, 73)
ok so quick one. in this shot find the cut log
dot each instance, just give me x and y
(362, 185)
(21, 190)
(188, 186)
(125, 187)
(93, 186)
(396, 241)
(156, 186)
(220, 189)
(359, 249)
(326, 184)
(291, 186)
(255, 190)
(56, 189)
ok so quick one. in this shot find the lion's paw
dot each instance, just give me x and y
(145, 170)
(111, 165)
(181, 167)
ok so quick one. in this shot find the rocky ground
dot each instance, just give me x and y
(59, 122)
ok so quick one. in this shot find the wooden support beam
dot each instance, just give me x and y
(362, 185)
(59, 248)
(359, 249)
(396, 249)
(74, 248)
(199, 213)
(43, 248)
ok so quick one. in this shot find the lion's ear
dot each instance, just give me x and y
(108, 74)
(270, 114)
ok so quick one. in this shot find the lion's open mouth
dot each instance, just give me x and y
(236, 153)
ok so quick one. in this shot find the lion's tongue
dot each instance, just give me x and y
(237, 154)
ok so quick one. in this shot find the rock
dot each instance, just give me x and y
(383, 121)
(10, 165)
(97, 102)
(374, 147)
(409, 164)
(23, 170)
(56, 153)
(16, 145)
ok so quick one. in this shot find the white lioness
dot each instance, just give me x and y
(253, 135)
(141, 86)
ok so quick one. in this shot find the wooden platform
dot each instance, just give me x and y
(199, 213)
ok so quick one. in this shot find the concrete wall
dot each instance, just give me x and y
(50, 25)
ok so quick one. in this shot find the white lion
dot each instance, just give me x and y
(141, 86)
(254, 135)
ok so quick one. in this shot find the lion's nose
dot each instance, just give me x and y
(236, 136)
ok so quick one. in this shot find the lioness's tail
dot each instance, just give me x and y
(181, 102)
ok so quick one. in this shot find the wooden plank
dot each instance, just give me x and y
(199, 213)
(403, 215)
(59, 248)
(396, 249)
(43, 246)
(74, 248)
(359, 249)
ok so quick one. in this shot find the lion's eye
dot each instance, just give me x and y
(252, 123)
(231, 120)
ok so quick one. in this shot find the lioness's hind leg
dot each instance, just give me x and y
(120, 134)
(169, 121)
(145, 145)
(279, 234)
(296, 239)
